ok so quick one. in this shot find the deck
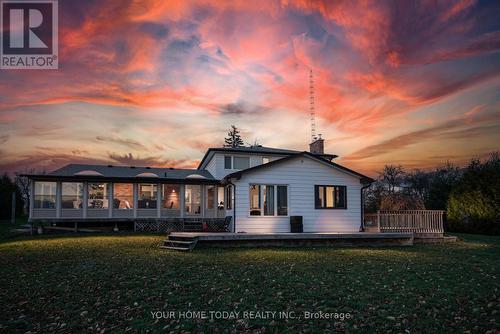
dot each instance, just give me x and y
(178, 240)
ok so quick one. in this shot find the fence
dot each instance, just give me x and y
(416, 221)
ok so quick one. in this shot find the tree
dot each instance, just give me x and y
(233, 138)
(7, 187)
(441, 184)
(416, 183)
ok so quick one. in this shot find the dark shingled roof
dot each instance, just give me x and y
(96, 172)
(126, 171)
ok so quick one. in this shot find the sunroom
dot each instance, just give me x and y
(80, 193)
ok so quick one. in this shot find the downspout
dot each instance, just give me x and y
(361, 227)
(234, 205)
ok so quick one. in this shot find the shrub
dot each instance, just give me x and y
(400, 201)
(473, 205)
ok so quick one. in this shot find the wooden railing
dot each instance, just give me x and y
(416, 221)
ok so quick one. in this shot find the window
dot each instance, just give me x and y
(45, 195)
(241, 162)
(192, 198)
(228, 162)
(148, 193)
(330, 197)
(171, 196)
(268, 200)
(282, 200)
(232, 162)
(210, 197)
(229, 197)
(71, 195)
(255, 200)
(123, 196)
(220, 198)
(98, 196)
(265, 160)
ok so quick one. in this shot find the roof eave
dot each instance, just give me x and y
(363, 178)
(96, 178)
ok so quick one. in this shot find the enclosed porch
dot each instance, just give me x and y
(118, 200)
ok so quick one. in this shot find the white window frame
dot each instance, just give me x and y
(275, 200)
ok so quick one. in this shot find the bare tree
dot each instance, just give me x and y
(23, 184)
(392, 177)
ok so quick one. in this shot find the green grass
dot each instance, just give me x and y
(112, 283)
(6, 226)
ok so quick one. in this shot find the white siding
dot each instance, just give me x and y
(300, 174)
(211, 167)
(216, 164)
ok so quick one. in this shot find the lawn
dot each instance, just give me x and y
(109, 283)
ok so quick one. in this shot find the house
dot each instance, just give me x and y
(260, 188)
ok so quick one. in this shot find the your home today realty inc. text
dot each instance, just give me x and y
(250, 315)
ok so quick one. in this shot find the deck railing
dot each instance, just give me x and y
(416, 221)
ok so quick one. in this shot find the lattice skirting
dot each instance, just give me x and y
(183, 224)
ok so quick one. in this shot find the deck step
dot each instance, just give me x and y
(179, 243)
(175, 248)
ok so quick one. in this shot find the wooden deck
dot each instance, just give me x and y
(187, 240)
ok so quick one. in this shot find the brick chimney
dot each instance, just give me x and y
(317, 146)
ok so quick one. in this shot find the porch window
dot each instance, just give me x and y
(268, 200)
(330, 197)
(229, 197)
(71, 195)
(98, 195)
(123, 196)
(45, 195)
(171, 196)
(210, 202)
(192, 198)
(148, 193)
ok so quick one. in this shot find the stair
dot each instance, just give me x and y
(179, 243)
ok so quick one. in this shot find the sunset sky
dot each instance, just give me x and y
(156, 83)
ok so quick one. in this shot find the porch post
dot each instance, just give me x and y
(135, 199)
(202, 201)
(58, 199)
(159, 195)
(85, 203)
(183, 199)
(32, 198)
(110, 200)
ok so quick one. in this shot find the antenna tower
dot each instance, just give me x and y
(312, 109)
